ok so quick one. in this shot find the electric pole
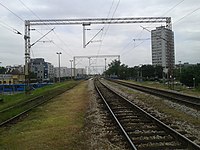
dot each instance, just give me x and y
(59, 53)
(71, 67)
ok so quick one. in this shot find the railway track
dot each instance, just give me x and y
(14, 112)
(139, 129)
(187, 100)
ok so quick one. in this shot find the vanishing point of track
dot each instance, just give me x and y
(140, 129)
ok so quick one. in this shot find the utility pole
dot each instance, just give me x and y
(89, 66)
(71, 67)
(194, 83)
(105, 64)
(180, 66)
(59, 53)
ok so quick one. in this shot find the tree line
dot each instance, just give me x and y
(187, 75)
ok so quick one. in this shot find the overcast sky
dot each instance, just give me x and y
(116, 39)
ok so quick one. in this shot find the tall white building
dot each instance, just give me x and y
(162, 42)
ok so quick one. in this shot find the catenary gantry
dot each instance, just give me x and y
(84, 22)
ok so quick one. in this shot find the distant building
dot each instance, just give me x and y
(42, 70)
(16, 68)
(63, 72)
(162, 42)
(80, 72)
(13, 75)
(50, 71)
(66, 72)
(37, 66)
(12, 78)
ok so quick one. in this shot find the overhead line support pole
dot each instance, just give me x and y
(27, 54)
(84, 22)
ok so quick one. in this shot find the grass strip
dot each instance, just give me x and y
(56, 125)
(10, 100)
(179, 88)
(45, 94)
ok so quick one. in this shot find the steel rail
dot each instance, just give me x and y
(22, 113)
(20, 104)
(117, 121)
(179, 137)
(179, 97)
(30, 108)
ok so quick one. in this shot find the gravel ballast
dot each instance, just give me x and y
(181, 117)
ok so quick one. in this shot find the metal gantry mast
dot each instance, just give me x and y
(93, 56)
(84, 22)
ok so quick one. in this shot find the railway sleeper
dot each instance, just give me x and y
(161, 140)
(145, 127)
(128, 116)
(147, 133)
(123, 112)
(149, 146)
(135, 125)
(154, 138)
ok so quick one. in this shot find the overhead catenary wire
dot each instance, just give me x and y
(186, 15)
(131, 41)
(9, 27)
(106, 30)
(12, 12)
(100, 45)
(173, 7)
(59, 47)
(41, 37)
(46, 25)
(91, 40)
(135, 46)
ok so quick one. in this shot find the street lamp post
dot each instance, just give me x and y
(140, 72)
(71, 67)
(59, 53)
(105, 64)
(194, 82)
(179, 70)
(89, 58)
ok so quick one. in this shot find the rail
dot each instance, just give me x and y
(181, 142)
(188, 100)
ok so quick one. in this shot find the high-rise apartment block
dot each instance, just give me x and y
(162, 40)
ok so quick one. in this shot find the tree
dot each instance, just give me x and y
(115, 69)
(2, 70)
(190, 74)
(159, 72)
(148, 71)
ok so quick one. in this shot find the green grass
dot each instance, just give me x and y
(179, 88)
(46, 92)
(56, 125)
(10, 100)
